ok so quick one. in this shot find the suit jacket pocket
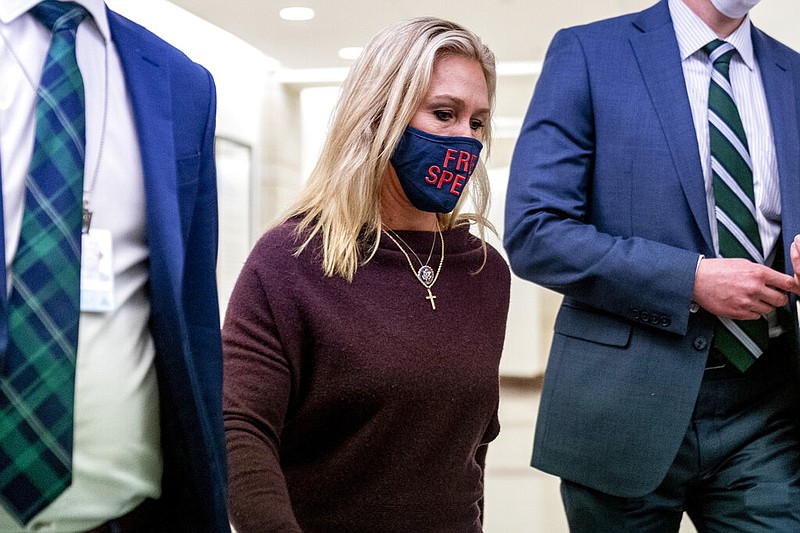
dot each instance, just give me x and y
(188, 167)
(583, 322)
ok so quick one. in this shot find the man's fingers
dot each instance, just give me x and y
(762, 308)
(784, 282)
(794, 254)
(774, 298)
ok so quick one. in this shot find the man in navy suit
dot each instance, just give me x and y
(148, 453)
(611, 202)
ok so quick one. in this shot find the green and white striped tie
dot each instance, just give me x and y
(740, 341)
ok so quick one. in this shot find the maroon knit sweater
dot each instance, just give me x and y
(355, 407)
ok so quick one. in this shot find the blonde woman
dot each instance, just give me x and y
(363, 337)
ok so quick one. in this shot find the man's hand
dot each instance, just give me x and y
(743, 290)
(794, 252)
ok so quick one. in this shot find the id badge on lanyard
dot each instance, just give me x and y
(97, 272)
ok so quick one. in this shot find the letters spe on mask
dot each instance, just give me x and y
(440, 175)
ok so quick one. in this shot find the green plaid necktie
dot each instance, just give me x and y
(38, 375)
(740, 341)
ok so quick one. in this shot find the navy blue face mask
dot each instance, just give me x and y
(433, 169)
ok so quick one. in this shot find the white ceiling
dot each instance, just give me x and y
(518, 31)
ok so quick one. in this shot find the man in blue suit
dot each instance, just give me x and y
(615, 201)
(148, 452)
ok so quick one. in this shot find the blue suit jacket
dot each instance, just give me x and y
(174, 105)
(606, 204)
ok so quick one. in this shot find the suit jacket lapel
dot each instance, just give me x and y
(782, 104)
(149, 90)
(658, 56)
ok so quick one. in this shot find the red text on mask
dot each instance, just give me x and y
(440, 175)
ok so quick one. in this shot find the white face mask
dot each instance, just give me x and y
(734, 9)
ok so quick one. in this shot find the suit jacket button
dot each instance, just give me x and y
(700, 343)
(665, 321)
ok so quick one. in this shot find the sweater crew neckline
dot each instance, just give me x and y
(456, 240)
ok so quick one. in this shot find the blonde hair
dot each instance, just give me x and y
(379, 97)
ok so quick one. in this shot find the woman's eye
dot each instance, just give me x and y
(476, 124)
(443, 115)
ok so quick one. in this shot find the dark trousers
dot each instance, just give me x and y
(147, 517)
(737, 470)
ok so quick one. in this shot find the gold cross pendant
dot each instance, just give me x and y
(431, 297)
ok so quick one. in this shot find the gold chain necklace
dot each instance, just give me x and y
(422, 266)
(425, 274)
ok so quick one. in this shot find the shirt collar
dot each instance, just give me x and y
(11, 10)
(693, 34)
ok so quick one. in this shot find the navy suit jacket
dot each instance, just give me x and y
(174, 106)
(606, 204)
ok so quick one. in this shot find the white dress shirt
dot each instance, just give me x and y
(117, 460)
(748, 91)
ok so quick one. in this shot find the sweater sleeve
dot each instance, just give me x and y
(492, 430)
(480, 458)
(257, 390)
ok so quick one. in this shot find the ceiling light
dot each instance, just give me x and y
(350, 52)
(297, 13)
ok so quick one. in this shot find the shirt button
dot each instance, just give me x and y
(694, 307)
(700, 343)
